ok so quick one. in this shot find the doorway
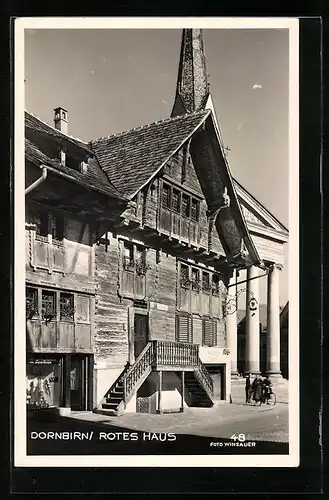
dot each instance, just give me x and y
(141, 331)
(80, 382)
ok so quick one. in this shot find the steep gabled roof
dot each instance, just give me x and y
(32, 122)
(90, 180)
(131, 158)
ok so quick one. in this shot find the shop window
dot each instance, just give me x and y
(43, 383)
(48, 305)
(31, 303)
(66, 306)
(165, 196)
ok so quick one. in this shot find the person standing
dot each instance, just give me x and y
(257, 388)
(248, 388)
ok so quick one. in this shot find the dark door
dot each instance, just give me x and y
(140, 333)
(78, 382)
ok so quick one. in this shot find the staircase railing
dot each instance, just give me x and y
(175, 353)
(117, 380)
(138, 371)
(204, 378)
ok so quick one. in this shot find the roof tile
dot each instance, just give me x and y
(131, 158)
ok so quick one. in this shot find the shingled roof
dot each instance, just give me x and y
(131, 158)
(35, 123)
(90, 180)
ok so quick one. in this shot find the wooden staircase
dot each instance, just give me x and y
(160, 355)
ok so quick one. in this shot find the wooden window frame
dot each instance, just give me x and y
(184, 282)
(32, 310)
(206, 289)
(70, 309)
(136, 266)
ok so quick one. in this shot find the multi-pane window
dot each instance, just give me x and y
(184, 276)
(180, 202)
(134, 258)
(195, 279)
(31, 303)
(205, 282)
(175, 200)
(48, 305)
(66, 306)
(185, 205)
(128, 256)
(166, 196)
(194, 209)
(215, 284)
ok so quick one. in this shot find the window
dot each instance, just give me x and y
(140, 259)
(166, 196)
(175, 200)
(66, 306)
(183, 328)
(57, 227)
(195, 279)
(41, 224)
(153, 191)
(134, 258)
(31, 303)
(209, 332)
(128, 256)
(185, 205)
(184, 276)
(48, 305)
(194, 210)
(215, 284)
(205, 282)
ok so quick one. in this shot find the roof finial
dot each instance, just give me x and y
(192, 83)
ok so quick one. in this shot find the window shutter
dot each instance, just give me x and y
(184, 331)
(209, 332)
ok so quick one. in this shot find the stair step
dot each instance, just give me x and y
(110, 406)
(113, 400)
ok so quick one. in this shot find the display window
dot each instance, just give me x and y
(43, 383)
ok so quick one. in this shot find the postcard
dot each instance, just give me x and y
(156, 242)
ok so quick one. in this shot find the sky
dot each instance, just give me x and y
(112, 80)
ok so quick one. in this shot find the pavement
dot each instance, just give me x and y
(196, 429)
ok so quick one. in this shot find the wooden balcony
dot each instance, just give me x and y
(171, 356)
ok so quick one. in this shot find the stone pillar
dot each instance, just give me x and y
(273, 324)
(231, 325)
(252, 322)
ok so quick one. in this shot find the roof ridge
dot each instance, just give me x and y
(56, 129)
(141, 127)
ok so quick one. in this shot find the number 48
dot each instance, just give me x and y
(240, 437)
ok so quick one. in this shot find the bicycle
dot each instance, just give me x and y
(268, 397)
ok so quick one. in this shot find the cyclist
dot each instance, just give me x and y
(267, 388)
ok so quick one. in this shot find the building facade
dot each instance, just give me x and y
(133, 242)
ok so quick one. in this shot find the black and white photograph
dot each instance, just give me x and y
(156, 300)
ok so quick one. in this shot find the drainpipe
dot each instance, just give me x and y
(38, 181)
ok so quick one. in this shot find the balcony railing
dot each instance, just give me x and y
(175, 353)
